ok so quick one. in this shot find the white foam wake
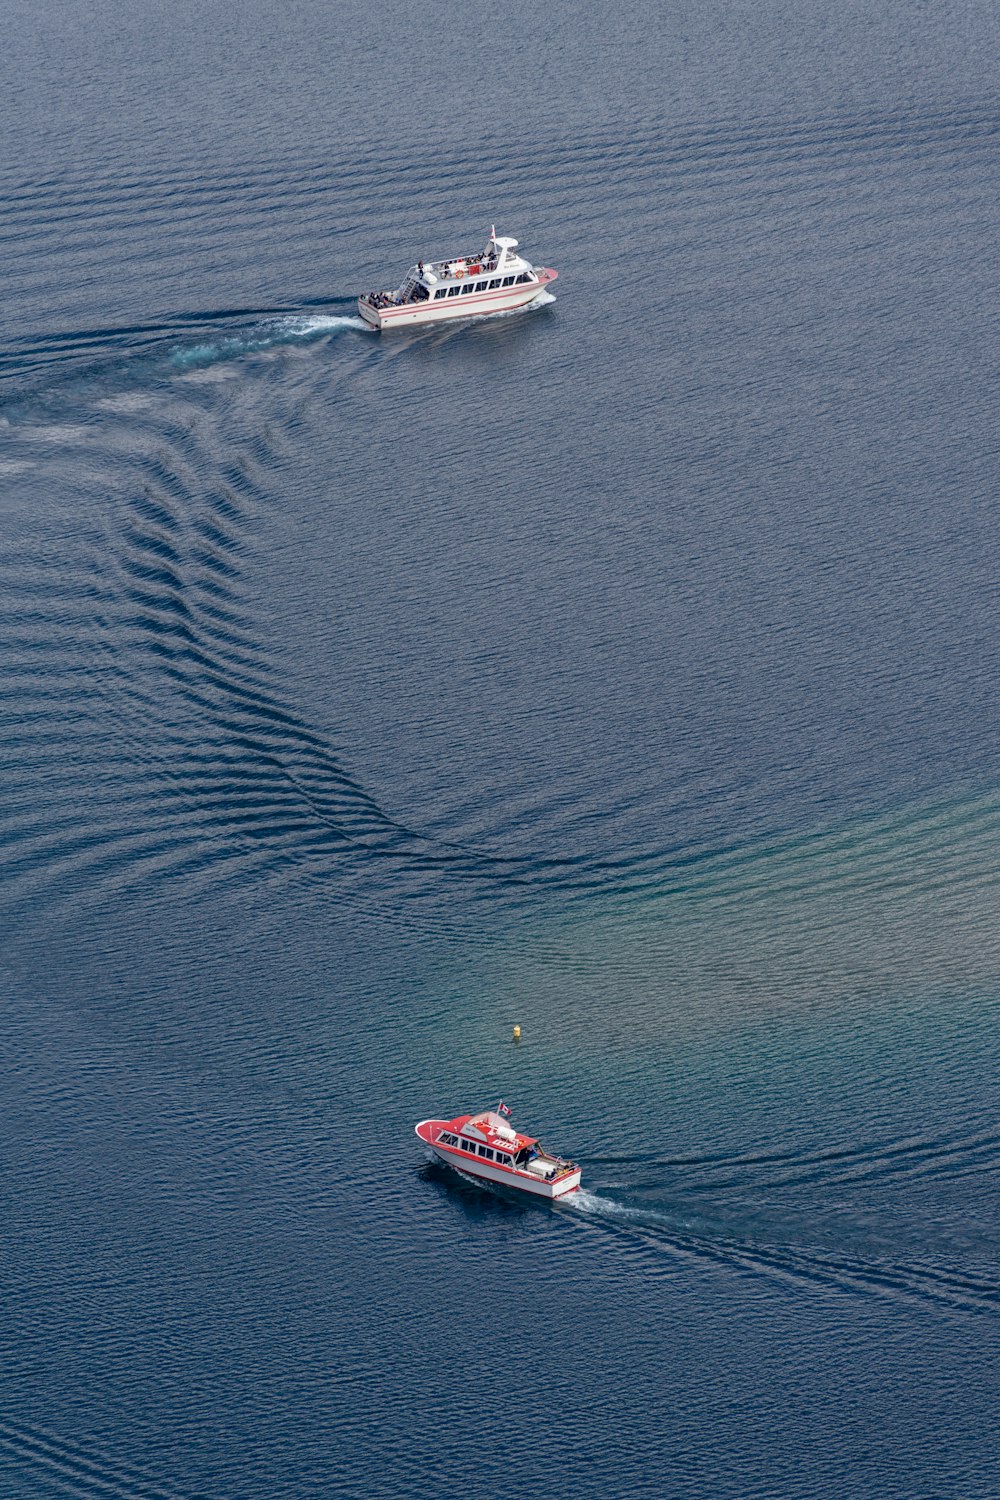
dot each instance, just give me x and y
(605, 1208)
(304, 327)
(642, 1216)
(266, 336)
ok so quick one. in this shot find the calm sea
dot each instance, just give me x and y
(627, 669)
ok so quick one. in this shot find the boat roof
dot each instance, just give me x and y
(504, 242)
(492, 1128)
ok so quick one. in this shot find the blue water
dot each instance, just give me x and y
(626, 669)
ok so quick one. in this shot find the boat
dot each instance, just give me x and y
(483, 1146)
(498, 279)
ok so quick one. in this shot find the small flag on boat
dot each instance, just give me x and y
(503, 1109)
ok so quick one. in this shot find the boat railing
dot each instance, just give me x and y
(473, 265)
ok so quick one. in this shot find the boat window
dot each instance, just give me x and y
(484, 1150)
(481, 286)
(494, 284)
(507, 281)
(523, 277)
(442, 291)
(467, 288)
(469, 1146)
(453, 291)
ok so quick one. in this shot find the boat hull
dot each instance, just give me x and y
(487, 1172)
(478, 305)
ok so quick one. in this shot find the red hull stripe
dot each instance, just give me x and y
(399, 312)
(508, 293)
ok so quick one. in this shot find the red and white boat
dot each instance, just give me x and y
(461, 286)
(484, 1146)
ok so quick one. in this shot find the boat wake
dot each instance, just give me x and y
(593, 1203)
(286, 330)
(40, 364)
(669, 1241)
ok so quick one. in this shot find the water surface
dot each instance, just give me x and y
(626, 669)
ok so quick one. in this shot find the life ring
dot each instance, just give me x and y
(459, 272)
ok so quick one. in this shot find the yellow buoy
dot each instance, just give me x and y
(517, 1033)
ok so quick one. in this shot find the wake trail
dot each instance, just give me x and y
(667, 1236)
(835, 1165)
(35, 363)
(286, 330)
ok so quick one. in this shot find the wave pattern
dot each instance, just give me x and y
(812, 167)
(652, 1235)
(849, 1164)
(173, 603)
(86, 200)
(228, 777)
(60, 1467)
(689, 944)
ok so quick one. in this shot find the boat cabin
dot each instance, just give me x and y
(484, 1147)
(487, 1137)
(499, 266)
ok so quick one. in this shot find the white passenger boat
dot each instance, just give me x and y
(484, 1146)
(462, 286)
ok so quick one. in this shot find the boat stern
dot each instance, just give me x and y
(562, 1187)
(369, 314)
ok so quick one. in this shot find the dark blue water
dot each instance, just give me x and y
(627, 669)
